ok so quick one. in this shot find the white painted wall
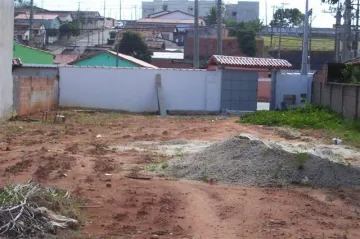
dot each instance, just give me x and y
(292, 83)
(134, 90)
(175, 15)
(6, 47)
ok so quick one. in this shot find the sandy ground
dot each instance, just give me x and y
(75, 156)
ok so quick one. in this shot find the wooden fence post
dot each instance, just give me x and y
(321, 89)
(342, 99)
(357, 102)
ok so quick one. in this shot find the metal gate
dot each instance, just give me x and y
(239, 90)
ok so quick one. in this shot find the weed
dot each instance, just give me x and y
(206, 179)
(330, 198)
(164, 165)
(180, 153)
(304, 182)
(157, 167)
(311, 117)
(301, 159)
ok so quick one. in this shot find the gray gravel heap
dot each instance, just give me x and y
(239, 160)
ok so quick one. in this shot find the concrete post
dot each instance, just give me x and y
(273, 90)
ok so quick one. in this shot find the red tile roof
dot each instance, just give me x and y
(38, 16)
(249, 62)
(65, 58)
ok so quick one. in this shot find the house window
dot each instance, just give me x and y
(165, 7)
(290, 99)
(234, 14)
(191, 9)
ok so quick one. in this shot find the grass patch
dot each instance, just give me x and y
(309, 117)
(180, 153)
(157, 167)
(301, 159)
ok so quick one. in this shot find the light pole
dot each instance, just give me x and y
(305, 53)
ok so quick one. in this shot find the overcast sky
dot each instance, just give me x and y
(132, 8)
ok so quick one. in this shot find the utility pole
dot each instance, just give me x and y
(272, 29)
(31, 21)
(196, 36)
(281, 26)
(337, 33)
(103, 28)
(305, 53)
(266, 13)
(347, 32)
(120, 10)
(219, 27)
(356, 45)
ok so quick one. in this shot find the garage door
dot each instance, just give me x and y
(239, 90)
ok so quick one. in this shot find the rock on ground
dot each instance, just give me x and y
(239, 160)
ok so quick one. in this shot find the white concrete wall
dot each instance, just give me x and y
(134, 90)
(6, 48)
(292, 83)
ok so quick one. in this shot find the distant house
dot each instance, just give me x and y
(29, 55)
(22, 32)
(179, 21)
(170, 60)
(65, 17)
(50, 21)
(109, 59)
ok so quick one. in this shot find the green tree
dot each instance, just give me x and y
(211, 18)
(233, 26)
(289, 17)
(133, 44)
(69, 29)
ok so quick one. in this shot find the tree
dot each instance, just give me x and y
(22, 3)
(233, 26)
(289, 17)
(211, 18)
(133, 44)
(69, 29)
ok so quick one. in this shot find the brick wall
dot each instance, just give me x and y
(208, 47)
(264, 91)
(35, 94)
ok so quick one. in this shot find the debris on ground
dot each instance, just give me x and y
(249, 161)
(25, 213)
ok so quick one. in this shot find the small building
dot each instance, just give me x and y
(110, 59)
(30, 55)
(22, 32)
(36, 70)
(239, 79)
(170, 60)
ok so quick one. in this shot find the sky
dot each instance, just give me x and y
(131, 9)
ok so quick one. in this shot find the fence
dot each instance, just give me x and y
(134, 90)
(34, 94)
(342, 98)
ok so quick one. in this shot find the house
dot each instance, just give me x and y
(22, 32)
(187, 6)
(170, 60)
(50, 21)
(65, 17)
(110, 59)
(6, 39)
(29, 55)
(26, 10)
(243, 11)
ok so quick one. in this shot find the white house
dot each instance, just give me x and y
(22, 32)
(187, 6)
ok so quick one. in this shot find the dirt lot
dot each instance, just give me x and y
(75, 155)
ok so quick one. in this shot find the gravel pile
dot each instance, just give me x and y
(240, 160)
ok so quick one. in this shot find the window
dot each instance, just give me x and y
(303, 98)
(234, 14)
(290, 99)
(191, 9)
(165, 7)
(166, 36)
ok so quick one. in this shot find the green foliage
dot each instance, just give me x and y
(247, 42)
(332, 2)
(69, 29)
(211, 18)
(23, 3)
(245, 32)
(289, 17)
(309, 117)
(351, 74)
(133, 44)
(112, 34)
(52, 32)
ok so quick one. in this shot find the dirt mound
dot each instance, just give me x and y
(240, 160)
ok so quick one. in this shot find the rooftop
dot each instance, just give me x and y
(249, 62)
(168, 55)
(38, 16)
(166, 21)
